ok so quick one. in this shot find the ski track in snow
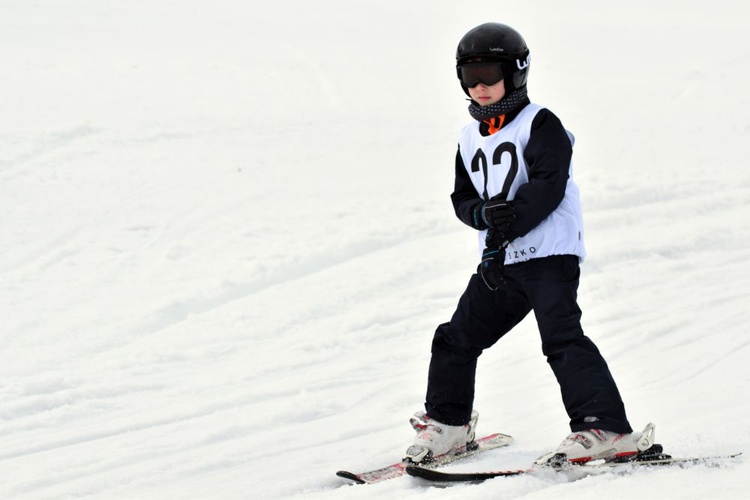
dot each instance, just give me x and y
(228, 240)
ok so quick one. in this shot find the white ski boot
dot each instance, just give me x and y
(594, 444)
(435, 439)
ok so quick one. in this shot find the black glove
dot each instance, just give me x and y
(498, 214)
(493, 263)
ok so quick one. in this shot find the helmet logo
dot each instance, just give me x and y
(523, 64)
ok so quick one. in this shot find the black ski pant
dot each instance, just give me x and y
(549, 287)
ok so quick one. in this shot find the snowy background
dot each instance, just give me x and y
(227, 240)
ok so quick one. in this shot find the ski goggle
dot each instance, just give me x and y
(472, 75)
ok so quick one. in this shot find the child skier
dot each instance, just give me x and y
(514, 186)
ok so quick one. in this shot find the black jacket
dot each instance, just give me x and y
(547, 154)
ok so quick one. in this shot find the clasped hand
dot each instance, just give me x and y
(492, 266)
(498, 215)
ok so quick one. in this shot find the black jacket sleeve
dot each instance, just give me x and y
(547, 154)
(466, 202)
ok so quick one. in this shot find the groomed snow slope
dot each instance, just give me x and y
(227, 241)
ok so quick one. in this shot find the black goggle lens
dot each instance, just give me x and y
(472, 75)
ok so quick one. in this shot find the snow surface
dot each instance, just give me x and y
(227, 241)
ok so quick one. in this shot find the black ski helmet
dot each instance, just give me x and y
(496, 42)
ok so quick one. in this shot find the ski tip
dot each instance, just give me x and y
(351, 476)
(453, 477)
(423, 473)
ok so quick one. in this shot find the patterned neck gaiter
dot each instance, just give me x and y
(506, 105)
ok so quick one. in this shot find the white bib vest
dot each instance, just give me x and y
(496, 164)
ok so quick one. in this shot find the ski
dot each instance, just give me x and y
(480, 445)
(661, 459)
